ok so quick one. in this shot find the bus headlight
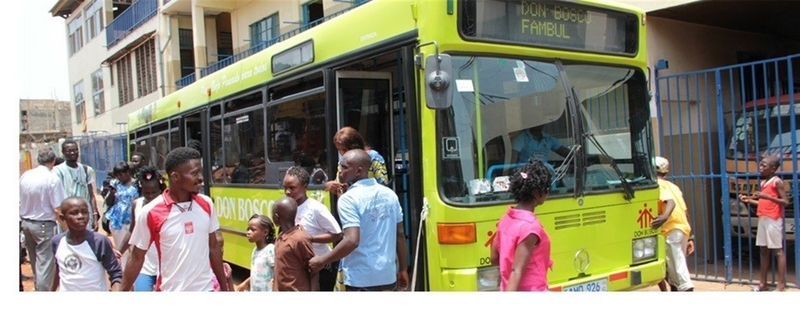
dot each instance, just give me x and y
(489, 278)
(644, 248)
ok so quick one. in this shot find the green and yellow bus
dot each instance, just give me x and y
(442, 89)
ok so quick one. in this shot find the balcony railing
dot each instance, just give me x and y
(227, 61)
(138, 13)
(186, 80)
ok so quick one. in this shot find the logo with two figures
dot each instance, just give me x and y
(646, 217)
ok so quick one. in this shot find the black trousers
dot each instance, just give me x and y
(327, 277)
(379, 288)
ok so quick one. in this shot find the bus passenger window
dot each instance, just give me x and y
(216, 152)
(296, 131)
(319, 173)
(243, 135)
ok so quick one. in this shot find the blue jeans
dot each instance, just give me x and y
(144, 283)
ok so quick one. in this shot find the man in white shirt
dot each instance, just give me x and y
(40, 197)
(182, 224)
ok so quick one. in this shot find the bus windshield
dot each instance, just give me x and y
(766, 130)
(506, 111)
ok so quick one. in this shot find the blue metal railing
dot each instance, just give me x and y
(102, 153)
(227, 61)
(185, 81)
(714, 127)
(138, 13)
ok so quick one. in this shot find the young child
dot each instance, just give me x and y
(225, 266)
(771, 199)
(82, 255)
(676, 230)
(521, 246)
(151, 185)
(260, 231)
(292, 251)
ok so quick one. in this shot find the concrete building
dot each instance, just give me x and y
(125, 54)
(111, 60)
(43, 121)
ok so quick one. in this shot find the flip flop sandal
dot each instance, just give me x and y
(759, 289)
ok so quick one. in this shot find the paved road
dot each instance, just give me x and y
(241, 274)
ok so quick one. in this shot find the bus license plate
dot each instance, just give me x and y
(594, 286)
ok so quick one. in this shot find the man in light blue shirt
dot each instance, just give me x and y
(535, 144)
(372, 223)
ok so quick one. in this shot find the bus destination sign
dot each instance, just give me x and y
(553, 24)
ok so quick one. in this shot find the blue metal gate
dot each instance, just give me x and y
(102, 153)
(714, 126)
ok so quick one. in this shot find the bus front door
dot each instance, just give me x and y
(365, 101)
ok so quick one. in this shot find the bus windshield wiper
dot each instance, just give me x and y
(626, 187)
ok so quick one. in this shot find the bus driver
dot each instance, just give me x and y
(535, 144)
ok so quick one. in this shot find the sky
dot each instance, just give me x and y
(34, 67)
(43, 52)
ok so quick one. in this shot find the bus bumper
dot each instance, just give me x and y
(624, 279)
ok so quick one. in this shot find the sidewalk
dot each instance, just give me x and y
(707, 286)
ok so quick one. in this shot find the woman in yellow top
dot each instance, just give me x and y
(347, 139)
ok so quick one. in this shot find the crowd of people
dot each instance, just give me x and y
(166, 233)
(177, 245)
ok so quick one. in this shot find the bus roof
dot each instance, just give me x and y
(331, 39)
(335, 37)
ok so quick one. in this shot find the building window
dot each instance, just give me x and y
(23, 121)
(146, 69)
(243, 141)
(80, 102)
(187, 51)
(312, 11)
(97, 93)
(124, 80)
(75, 35)
(225, 44)
(264, 31)
(94, 19)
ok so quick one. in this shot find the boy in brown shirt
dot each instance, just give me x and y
(292, 251)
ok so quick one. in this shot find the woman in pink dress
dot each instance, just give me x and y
(521, 246)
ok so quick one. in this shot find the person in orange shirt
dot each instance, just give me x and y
(771, 200)
(676, 230)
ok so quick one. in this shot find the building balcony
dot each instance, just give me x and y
(211, 7)
(136, 15)
(185, 81)
(227, 61)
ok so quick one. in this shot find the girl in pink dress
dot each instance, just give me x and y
(521, 246)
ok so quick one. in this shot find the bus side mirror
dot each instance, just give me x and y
(438, 81)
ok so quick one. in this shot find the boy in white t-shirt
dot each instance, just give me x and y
(82, 256)
(315, 218)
